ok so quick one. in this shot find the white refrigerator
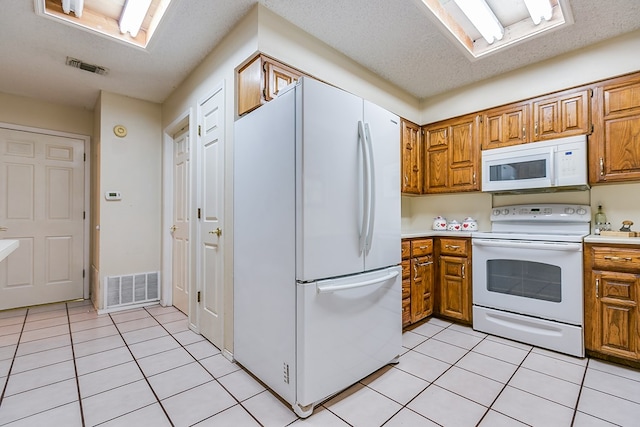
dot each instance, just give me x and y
(316, 235)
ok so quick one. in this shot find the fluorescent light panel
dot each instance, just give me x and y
(132, 16)
(539, 10)
(483, 18)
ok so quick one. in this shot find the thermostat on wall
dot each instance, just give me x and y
(113, 195)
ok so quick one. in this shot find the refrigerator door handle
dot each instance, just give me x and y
(336, 288)
(372, 188)
(365, 189)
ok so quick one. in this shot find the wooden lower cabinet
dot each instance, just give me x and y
(436, 281)
(417, 280)
(454, 278)
(612, 314)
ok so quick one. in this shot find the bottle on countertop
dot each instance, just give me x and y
(600, 221)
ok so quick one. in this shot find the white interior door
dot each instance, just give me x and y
(180, 230)
(211, 236)
(42, 205)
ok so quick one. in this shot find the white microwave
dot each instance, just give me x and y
(559, 164)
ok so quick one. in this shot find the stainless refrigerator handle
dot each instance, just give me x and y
(372, 188)
(365, 197)
(336, 288)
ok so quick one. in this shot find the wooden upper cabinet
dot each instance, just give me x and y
(562, 114)
(614, 154)
(505, 126)
(260, 80)
(411, 152)
(451, 155)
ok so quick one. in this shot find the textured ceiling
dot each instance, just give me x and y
(393, 38)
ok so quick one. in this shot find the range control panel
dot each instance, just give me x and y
(542, 212)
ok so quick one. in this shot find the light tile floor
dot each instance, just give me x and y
(64, 365)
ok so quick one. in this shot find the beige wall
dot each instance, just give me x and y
(614, 57)
(129, 235)
(25, 111)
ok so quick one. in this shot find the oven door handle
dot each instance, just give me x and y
(528, 244)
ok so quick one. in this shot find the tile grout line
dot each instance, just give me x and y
(238, 402)
(75, 367)
(135, 359)
(13, 359)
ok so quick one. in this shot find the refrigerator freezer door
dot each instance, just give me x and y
(347, 329)
(329, 180)
(383, 131)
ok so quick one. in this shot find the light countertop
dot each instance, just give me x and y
(7, 246)
(433, 233)
(595, 238)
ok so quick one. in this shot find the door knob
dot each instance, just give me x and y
(173, 228)
(217, 231)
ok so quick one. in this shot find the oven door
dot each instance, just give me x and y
(540, 279)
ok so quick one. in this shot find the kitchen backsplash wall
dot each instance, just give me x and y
(619, 201)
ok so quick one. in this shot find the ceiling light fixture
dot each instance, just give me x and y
(74, 6)
(483, 18)
(132, 16)
(539, 10)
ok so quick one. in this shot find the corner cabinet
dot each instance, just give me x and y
(614, 154)
(454, 278)
(417, 280)
(612, 314)
(411, 154)
(259, 81)
(451, 156)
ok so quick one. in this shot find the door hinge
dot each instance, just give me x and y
(198, 296)
(198, 213)
(83, 273)
(199, 130)
(84, 157)
(84, 214)
(286, 372)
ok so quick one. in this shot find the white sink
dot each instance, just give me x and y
(7, 246)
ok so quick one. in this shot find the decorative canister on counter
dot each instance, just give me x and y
(469, 224)
(454, 226)
(439, 223)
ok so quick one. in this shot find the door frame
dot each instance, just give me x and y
(186, 118)
(86, 194)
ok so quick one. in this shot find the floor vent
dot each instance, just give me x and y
(132, 289)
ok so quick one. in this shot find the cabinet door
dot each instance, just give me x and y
(615, 149)
(463, 154)
(455, 292)
(422, 271)
(277, 76)
(250, 86)
(614, 329)
(411, 152)
(560, 115)
(505, 126)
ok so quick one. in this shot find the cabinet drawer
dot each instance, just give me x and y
(420, 247)
(454, 247)
(406, 288)
(616, 259)
(406, 249)
(406, 269)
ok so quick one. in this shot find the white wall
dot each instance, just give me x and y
(608, 59)
(129, 236)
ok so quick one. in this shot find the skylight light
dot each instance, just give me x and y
(128, 21)
(482, 27)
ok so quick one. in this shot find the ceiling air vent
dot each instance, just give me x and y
(96, 69)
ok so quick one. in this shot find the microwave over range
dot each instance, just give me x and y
(559, 164)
